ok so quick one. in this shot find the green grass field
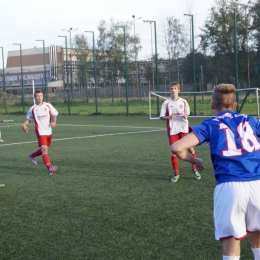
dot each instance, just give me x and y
(111, 197)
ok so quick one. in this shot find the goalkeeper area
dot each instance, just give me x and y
(199, 102)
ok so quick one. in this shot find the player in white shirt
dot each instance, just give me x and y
(44, 116)
(176, 111)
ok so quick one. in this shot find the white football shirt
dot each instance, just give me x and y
(178, 108)
(42, 118)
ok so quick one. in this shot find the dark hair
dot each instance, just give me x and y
(38, 91)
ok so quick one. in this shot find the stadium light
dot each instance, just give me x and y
(71, 77)
(45, 78)
(95, 72)
(235, 50)
(21, 63)
(67, 72)
(193, 55)
(136, 67)
(156, 61)
(4, 78)
(126, 80)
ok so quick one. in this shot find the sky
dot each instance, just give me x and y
(25, 21)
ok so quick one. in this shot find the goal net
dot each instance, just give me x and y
(199, 102)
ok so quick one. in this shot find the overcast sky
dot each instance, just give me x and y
(24, 21)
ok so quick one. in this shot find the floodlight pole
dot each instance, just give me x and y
(71, 76)
(67, 72)
(126, 79)
(45, 78)
(136, 66)
(194, 69)
(4, 78)
(21, 63)
(95, 71)
(235, 51)
(156, 62)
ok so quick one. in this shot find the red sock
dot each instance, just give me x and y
(194, 166)
(175, 165)
(46, 160)
(37, 153)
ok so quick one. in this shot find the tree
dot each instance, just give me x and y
(149, 68)
(175, 41)
(111, 49)
(255, 27)
(175, 38)
(217, 39)
(202, 61)
(84, 59)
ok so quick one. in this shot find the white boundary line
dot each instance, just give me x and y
(88, 136)
(108, 126)
(114, 126)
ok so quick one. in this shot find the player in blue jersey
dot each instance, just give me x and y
(235, 154)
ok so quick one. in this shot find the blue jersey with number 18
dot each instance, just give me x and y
(234, 146)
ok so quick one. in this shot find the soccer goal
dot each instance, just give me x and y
(199, 102)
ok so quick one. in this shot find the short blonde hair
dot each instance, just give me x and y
(175, 83)
(224, 96)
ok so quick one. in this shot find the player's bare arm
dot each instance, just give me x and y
(25, 128)
(53, 121)
(180, 149)
(170, 117)
(185, 117)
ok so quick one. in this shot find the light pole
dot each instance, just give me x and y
(193, 55)
(136, 67)
(156, 61)
(4, 77)
(248, 63)
(71, 79)
(44, 64)
(126, 79)
(235, 51)
(235, 47)
(21, 63)
(95, 72)
(67, 72)
(152, 58)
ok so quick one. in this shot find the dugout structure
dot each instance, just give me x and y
(247, 99)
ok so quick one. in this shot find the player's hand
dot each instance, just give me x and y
(171, 116)
(199, 164)
(25, 128)
(53, 124)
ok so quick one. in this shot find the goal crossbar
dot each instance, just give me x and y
(205, 97)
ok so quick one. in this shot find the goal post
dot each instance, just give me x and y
(247, 99)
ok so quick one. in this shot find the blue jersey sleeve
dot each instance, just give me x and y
(256, 123)
(202, 132)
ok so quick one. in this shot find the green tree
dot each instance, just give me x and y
(84, 60)
(254, 29)
(175, 41)
(203, 63)
(111, 50)
(217, 39)
(150, 73)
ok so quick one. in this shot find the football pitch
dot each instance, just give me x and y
(111, 197)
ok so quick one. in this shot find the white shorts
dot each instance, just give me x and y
(236, 209)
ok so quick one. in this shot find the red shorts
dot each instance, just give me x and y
(174, 138)
(44, 140)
